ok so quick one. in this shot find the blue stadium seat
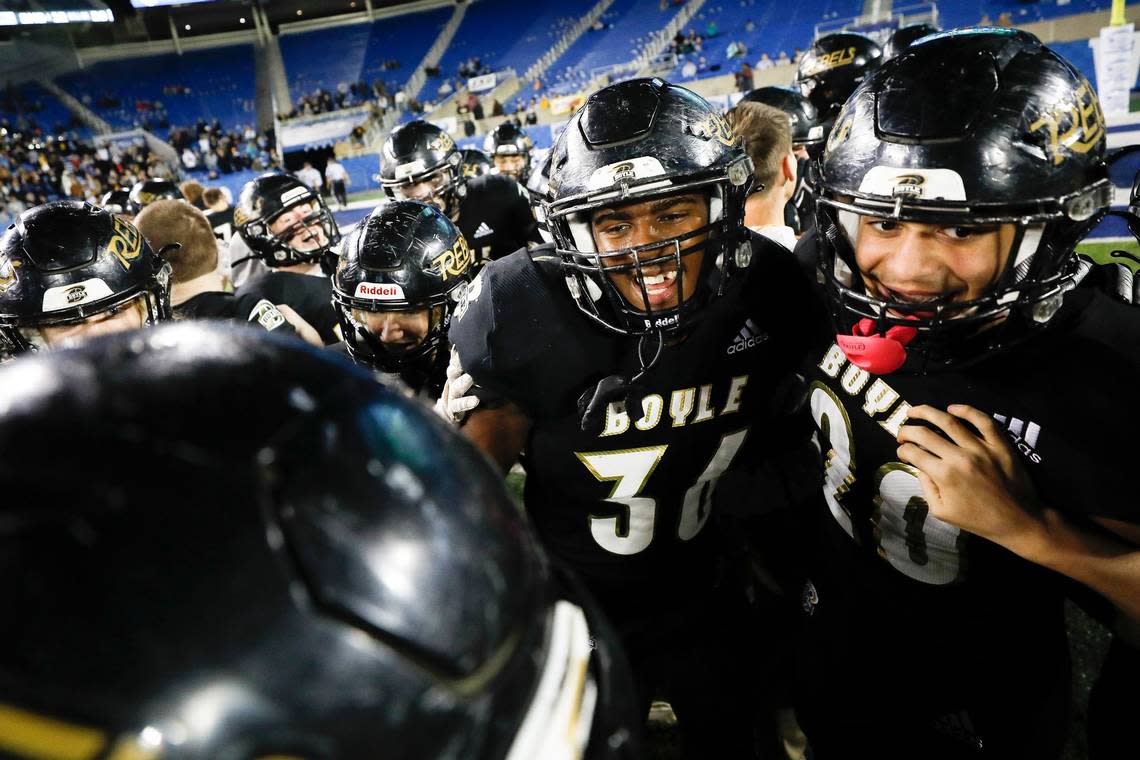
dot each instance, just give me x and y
(359, 51)
(220, 82)
(47, 113)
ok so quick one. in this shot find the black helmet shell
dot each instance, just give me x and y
(148, 191)
(807, 129)
(403, 256)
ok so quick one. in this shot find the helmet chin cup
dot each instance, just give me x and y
(878, 354)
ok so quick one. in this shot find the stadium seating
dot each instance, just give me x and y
(970, 12)
(50, 116)
(629, 25)
(220, 82)
(360, 51)
(776, 28)
(510, 33)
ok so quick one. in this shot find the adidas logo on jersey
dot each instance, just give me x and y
(748, 337)
(1024, 435)
(483, 230)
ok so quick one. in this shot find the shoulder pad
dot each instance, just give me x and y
(518, 333)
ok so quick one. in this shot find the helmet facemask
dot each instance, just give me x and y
(1024, 295)
(365, 346)
(589, 272)
(284, 254)
(23, 335)
(446, 186)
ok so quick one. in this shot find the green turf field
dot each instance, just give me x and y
(1102, 252)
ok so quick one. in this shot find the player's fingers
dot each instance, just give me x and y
(947, 423)
(464, 404)
(934, 442)
(931, 492)
(460, 385)
(992, 433)
(912, 453)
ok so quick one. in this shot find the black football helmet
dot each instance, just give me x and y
(148, 191)
(902, 37)
(420, 162)
(476, 163)
(117, 202)
(509, 139)
(832, 68)
(404, 257)
(538, 190)
(264, 199)
(63, 262)
(978, 127)
(340, 575)
(631, 142)
(807, 129)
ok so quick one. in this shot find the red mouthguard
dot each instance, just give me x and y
(878, 354)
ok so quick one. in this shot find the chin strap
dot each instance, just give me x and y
(594, 401)
(878, 354)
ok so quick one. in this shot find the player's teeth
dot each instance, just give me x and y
(658, 279)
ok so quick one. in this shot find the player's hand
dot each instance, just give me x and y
(970, 473)
(305, 331)
(455, 403)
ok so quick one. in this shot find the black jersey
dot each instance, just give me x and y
(495, 217)
(893, 584)
(221, 305)
(631, 504)
(222, 223)
(310, 296)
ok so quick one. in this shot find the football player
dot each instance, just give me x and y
(968, 468)
(633, 363)
(287, 226)
(197, 288)
(147, 191)
(70, 271)
(509, 147)
(832, 68)
(420, 162)
(118, 202)
(400, 275)
(476, 163)
(902, 37)
(339, 575)
(808, 137)
(766, 134)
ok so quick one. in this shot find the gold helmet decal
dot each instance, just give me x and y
(1072, 126)
(8, 273)
(455, 261)
(833, 60)
(714, 127)
(125, 243)
(442, 142)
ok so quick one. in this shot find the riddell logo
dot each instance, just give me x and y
(379, 292)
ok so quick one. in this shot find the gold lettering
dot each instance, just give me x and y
(617, 421)
(879, 397)
(833, 361)
(735, 392)
(854, 379)
(897, 418)
(651, 408)
(705, 410)
(681, 405)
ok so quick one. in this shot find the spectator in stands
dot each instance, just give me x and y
(766, 134)
(496, 107)
(749, 26)
(797, 56)
(310, 176)
(711, 29)
(192, 192)
(477, 110)
(744, 78)
(736, 49)
(765, 62)
(337, 180)
(782, 59)
(1004, 19)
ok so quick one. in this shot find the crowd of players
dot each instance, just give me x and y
(814, 404)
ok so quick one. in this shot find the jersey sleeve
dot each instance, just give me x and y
(511, 337)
